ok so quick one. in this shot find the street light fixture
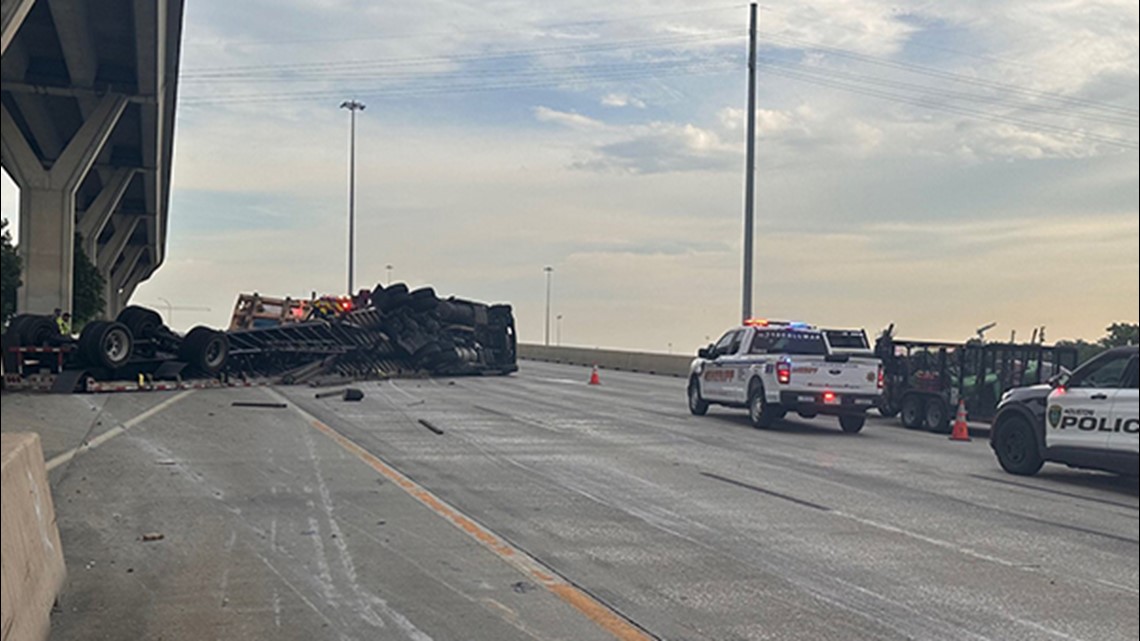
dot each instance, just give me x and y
(352, 106)
(389, 269)
(546, 335)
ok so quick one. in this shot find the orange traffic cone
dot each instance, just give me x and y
(961, 431)
(594, 378)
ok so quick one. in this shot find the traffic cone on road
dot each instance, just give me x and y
(594, 378)
(961, 431)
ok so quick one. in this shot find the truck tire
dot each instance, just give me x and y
(760, 411)
(912, 411)
(852, 423)
(141, 321)
(423, 300)
(1016, 446)
(697, 405)
(38, 331)
(205, 349)
(395, 296)
(887, 407)
(106, 344)
(936, 419)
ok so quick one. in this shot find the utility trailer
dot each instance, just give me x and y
(923, 381)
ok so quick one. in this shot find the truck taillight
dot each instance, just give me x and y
(880, 378)
(784, 372)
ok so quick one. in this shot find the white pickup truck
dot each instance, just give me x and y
(776, 367)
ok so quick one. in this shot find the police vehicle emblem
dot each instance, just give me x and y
(1055, 415)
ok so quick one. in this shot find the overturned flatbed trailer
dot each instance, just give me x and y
(382, 333)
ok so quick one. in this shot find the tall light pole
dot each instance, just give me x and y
(546, 335)
(750, 166)
(558, 334)
(352, 106)
(389, 269)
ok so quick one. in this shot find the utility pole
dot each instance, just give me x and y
(546, 335)
(389, 268)
(352, 106)
(750, 166)
(558, 334)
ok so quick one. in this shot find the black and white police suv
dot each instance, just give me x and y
(1089, 419)
(776, 367)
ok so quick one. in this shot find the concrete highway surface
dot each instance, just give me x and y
(536, 507)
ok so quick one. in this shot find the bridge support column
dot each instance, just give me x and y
(92, 221)
(122, 279)
(47, 204)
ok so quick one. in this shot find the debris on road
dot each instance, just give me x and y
(259, 404)
(153, 536)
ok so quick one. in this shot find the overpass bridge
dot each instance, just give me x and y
(87, 99)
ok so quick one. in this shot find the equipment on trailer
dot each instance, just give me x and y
(923, 381)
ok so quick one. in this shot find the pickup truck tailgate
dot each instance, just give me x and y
(855, 374)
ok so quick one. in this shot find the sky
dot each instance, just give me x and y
(934, 165)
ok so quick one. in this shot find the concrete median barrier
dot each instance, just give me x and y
(662, 364)
(32, 556)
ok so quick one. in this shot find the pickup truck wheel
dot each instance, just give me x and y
(697, 405)
(141, 321)
(937, 418)
(760, 412)
(852, 424)
(1016, 447)
(912, 413)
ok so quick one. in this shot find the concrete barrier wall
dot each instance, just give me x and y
(663, 364)
(32, 557)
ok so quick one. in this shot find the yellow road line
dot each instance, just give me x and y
(596, 611)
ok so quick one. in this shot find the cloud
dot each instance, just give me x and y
(567, 119)
(621, 100)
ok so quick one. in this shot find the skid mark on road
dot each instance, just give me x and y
(601, 614)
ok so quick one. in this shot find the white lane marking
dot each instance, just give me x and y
(393, 385)
(115, 431)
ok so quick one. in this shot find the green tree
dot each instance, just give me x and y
(1120, 334)
(88, 285)
(10, 272)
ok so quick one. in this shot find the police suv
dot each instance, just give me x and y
(776, 367)
(1090, 419)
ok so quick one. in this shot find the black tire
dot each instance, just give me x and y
(1016, 446)
(937, 417)
(852, 423)
(106, 344)
(205, 349)
(697, 405)
(912, 412)
(423, 300)
(12, 334)
(395, 296)
(760, 412)
(887, 407)
(38, 331)
(143, 322)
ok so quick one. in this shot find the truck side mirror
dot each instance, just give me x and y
(704, 353)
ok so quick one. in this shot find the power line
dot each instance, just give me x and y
(944, 107)
(955, 77)
(658, 42)
(465, 32)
